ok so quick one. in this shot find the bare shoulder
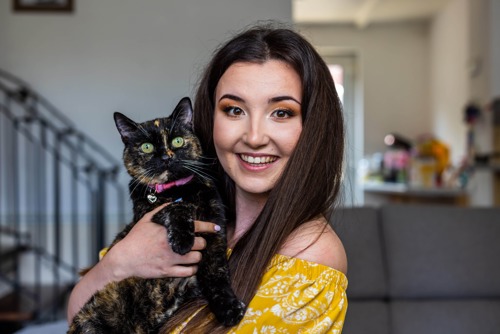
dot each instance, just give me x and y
(317, 242)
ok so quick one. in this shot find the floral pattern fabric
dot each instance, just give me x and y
(296, 297)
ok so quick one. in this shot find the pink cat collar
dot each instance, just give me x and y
(161, 187)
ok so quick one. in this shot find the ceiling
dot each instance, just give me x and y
(363, 12)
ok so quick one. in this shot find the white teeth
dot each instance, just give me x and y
(257, 160)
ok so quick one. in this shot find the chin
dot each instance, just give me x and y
(257, 189)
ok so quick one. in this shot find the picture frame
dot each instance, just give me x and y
(56, 6)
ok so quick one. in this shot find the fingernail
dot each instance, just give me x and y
(217, 228)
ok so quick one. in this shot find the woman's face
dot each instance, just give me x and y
(257, 122)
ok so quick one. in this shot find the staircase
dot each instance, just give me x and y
(60, 201)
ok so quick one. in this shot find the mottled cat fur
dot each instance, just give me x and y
(137, 305)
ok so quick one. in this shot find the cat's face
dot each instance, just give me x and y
(160, 150)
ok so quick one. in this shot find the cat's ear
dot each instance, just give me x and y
(125, 126)
(184, 112)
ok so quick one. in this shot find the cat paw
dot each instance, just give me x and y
(232, 313)
(182, 244)
(180, 227)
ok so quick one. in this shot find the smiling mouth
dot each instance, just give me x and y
(262, 160)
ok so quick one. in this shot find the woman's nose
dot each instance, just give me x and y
(256, 134)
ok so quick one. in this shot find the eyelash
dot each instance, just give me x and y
(288, 113)
(229, 110)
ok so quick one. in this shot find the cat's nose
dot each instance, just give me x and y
(168, 154)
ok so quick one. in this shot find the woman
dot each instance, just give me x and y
(267, 108)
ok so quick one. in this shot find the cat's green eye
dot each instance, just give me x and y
(177, 142)
(147, 147)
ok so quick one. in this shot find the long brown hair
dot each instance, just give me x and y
(310, 183)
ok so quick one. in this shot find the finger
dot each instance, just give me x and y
(156, 210)
(201, 226)
(199, 244)
(192, 257)
(183, 271)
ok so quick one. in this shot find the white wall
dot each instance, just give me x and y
(449, 77)
(464, 69)
(138, 57)
(393, 65)
(495, 46)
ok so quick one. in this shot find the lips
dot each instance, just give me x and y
(258, 160)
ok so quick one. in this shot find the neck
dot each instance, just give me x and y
(248, 207)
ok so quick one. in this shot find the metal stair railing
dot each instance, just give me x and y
(59, 190)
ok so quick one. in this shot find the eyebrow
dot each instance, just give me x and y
(283, 98)
(271, 100)
(231, 97)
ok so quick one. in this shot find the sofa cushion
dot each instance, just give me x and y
(442, 251)
(359, 230)
(451, 316)
(367, 317)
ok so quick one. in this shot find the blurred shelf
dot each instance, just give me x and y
(494, 167)
(401, 188)
(403, 193)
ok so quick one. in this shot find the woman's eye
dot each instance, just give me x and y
(147, 147)
(234, 111)
(178, 142)
(282, 113)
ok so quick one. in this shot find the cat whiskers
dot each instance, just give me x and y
(210, 161)
(144, 179)
(198, 168)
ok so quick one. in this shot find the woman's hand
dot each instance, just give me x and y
(144, 252)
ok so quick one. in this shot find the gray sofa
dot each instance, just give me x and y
(421, 269)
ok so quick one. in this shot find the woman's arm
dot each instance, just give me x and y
(144, 252)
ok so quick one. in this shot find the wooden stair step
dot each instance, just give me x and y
(17, 307)
(14, 308)
(9, 257)
(12, 251)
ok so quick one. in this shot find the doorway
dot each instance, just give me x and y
(347, 82)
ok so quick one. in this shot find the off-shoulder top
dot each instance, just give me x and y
(296, 296)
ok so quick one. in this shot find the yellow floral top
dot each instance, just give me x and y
(297, 297)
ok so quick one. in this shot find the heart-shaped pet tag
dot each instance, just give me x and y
(152, 198)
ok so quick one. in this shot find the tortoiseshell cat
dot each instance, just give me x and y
(164, 158)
